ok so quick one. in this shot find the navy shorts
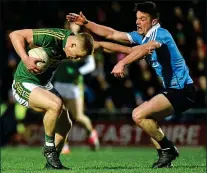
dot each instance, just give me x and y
(181, 99)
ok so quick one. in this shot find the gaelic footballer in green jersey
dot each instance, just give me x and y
(33, 89)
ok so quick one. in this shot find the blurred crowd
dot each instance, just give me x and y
(186, 22)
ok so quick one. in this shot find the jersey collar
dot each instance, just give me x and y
(150, 31)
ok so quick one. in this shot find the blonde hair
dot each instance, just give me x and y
(87, 42)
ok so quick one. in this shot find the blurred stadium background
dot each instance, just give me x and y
(109, 101)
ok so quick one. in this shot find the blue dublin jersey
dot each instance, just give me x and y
(167, 60)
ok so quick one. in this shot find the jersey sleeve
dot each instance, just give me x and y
(46, 37)
(134, 37)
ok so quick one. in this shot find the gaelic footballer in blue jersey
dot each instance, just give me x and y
(157, 47)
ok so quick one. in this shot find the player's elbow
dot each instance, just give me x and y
(24, 34)
(12, 34)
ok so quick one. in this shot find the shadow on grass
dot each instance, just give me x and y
(140, 167)
(27, 170)
(190, 166)
(114, 167)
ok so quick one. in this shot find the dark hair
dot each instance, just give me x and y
(147, 7)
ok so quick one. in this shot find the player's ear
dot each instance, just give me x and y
(73, 45)
(154, 21)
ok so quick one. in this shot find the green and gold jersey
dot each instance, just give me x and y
(53, 41)
(68, 72)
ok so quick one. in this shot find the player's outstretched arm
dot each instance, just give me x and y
(100, 30)
(138, 52)
(18, 39)
(112, 47)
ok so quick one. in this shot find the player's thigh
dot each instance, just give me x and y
(157, 108)
(72, 96)
(43, 99)
(21, 92)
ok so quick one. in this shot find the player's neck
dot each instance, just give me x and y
(156, 25)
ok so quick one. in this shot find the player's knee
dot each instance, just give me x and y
(56, 106)
(137, 116)
(134, 114)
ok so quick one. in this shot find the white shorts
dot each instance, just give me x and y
(22, 90)
(68, 90)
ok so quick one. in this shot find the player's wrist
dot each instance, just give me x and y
(122, 62)
(24, 58)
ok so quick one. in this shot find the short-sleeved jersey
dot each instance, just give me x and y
(167, 60)
(53, 41)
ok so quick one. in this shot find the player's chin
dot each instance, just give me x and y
(140, 32)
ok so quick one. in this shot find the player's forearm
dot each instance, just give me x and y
(18, 41)
(140, 51)
(113, 47)
(100, 30)
(136, 54)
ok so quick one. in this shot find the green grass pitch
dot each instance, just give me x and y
(109, 160)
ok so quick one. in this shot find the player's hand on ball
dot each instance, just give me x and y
(118, 70)
(78, 19)
(31, 64)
